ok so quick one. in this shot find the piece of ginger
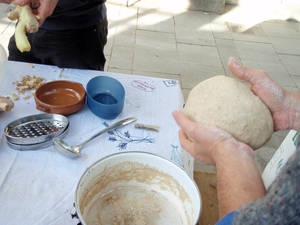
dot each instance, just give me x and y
(27, 22)
(6, 104)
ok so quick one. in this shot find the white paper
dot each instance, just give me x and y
(280, 158)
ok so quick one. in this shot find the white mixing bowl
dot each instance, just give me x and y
(137, 188)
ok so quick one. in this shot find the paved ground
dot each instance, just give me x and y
(153, 38)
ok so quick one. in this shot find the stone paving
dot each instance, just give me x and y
(162, 39)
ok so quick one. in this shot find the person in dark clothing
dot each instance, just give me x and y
(72, 34)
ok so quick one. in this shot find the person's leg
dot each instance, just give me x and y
(81, 49)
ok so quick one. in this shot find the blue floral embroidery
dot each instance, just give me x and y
(127, 134)
(113, 139)
(110, 132)
(125, 138)
(176, 155)
(170, 83)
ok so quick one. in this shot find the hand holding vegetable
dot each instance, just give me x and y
(27, 22)
(30, 15)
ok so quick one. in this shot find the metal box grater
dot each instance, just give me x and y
(35, 129)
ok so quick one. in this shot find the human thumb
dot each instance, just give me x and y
(237, 69)
(243, 73)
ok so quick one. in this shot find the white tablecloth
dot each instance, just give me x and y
(37, 187)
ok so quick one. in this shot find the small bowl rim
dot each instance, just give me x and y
(82, 97)
(66, 109)
(90, 97)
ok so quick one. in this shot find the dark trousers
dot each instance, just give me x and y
(80, 49)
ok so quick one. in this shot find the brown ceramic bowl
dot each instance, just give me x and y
(61, 97)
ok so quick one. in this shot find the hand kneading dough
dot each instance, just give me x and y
(230, 105)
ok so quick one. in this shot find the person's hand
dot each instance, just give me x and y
(45, 9)
(204, 142)
(275, 97)
(16, 2)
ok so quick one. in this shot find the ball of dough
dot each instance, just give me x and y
(230, 105)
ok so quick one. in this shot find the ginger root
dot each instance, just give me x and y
(6, 104)
(27, 22)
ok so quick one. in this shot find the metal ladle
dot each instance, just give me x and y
(74, 151)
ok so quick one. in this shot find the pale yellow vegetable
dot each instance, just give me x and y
(27, 22)
(6, 104)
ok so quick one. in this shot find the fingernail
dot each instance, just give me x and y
(233, 62)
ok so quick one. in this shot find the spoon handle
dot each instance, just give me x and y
(113, 126)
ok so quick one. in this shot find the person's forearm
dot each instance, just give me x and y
(293, 104)
(238, 179)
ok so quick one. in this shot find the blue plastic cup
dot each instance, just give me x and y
(105, 97)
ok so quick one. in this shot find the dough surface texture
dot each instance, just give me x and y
(230, 105)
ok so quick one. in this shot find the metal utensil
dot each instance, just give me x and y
(74, 151)
(38, 146)
(35, 129)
